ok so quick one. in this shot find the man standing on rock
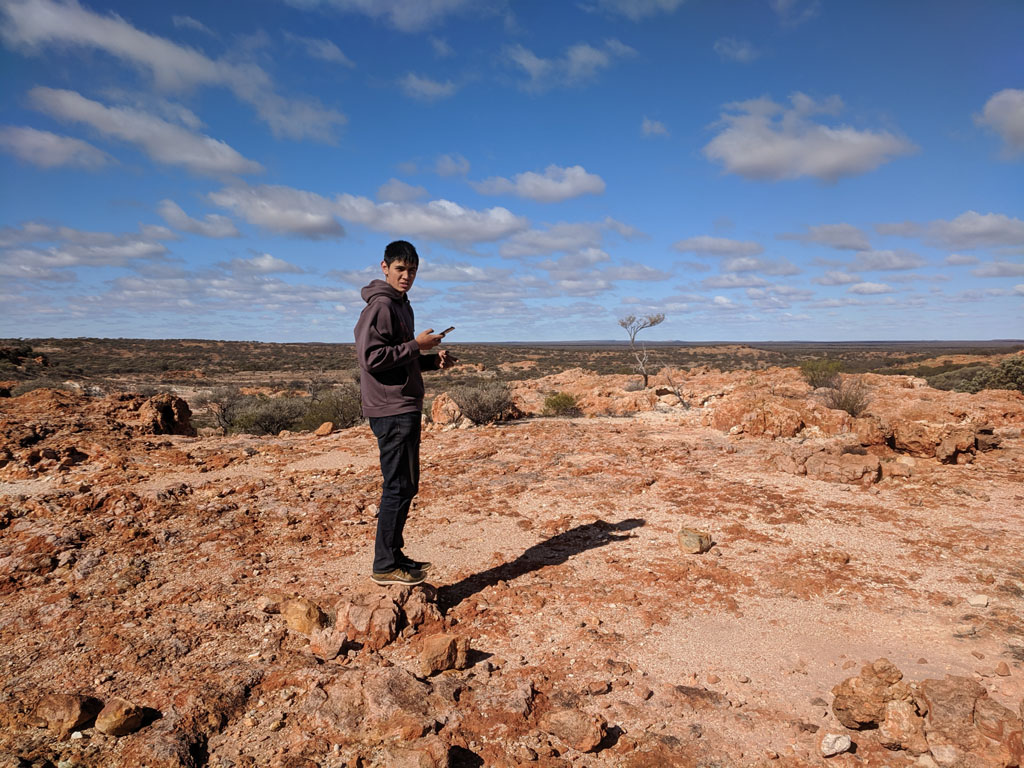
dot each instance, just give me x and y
(391, 386)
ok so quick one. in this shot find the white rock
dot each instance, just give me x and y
(978, 601)
(835, 744)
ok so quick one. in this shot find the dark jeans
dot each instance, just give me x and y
(398, 438)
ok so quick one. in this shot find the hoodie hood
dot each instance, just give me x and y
(380, 288)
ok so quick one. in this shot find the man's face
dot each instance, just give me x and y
(399, 275)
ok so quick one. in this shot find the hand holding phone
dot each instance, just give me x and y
(446, 331)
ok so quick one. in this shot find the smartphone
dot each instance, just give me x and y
(446, 331)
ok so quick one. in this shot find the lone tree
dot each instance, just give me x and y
(633, 326)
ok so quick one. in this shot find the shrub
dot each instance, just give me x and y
(821, 373)
(483, 403)
(1009, 374)
(561, 404)
(268, 415)
(633, 386)
(341, 406)
(224, 403)
(850, 395)
(44, 383)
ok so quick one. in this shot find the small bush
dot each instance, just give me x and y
(851, 395)
(561, 404)
(45, 383)
(341, 406)
(821, 373)
(633, 386)
(483, 403)
(268, 415)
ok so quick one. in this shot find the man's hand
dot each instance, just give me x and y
(428, 339)
(447, 359)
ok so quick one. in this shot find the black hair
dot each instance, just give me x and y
(402, 251)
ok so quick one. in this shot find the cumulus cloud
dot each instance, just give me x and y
(653, 128)
(212, 225)
(436, 220)
(844, 237)
(460, 272)
(835, 277)
(282, 209)
(762, 140)
(35, 25)
(975, 230)
(1004, 114)
(1019, 289)
(397, 191)
(579, 64)
(734, 280)
(320, 49)
(563, 237)
(262, 264)
(793, 12)
(871, 289)
(735, 50)
(635, 10)
(42, 246)
(764, 266)
(425, 89)
(164, 142)
(960, 259)
(885, 260)
(705, 245)
(406, 15)
(552, 186)
(999, 269)
(49, 150)
(451, 165)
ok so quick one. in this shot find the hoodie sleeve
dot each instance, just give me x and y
(430, 362)
(376, 347)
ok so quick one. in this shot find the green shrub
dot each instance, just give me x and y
(341, 406)
(1009, 374)
(268, 415)
(484, 403)
(561, 404)
(850, 395)
(45, 383)
(821, 372)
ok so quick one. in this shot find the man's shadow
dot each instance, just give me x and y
(553, 551)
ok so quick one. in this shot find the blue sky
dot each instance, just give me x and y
(755, 170)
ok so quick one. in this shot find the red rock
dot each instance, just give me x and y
(860, 702)
(302, 615)
(370, 619)
(438, 654)
(119, 717)
(903, 728)
(574, 728)
(445, 411)
(324, 429)
(429, 752)
(66, 712)
(693, 542)
(327, 642)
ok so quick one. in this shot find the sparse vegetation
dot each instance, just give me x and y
(1009, 374)
(483, 403)
(340, 405)
(264, 415)
(850, 394)
(561, 404)
(633, 325)
(821, 372)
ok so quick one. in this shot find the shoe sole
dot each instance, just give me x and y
(423, 568)
(402, 582)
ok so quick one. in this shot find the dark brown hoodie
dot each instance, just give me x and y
(389, 357)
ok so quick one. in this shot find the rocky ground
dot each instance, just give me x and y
(169, 600)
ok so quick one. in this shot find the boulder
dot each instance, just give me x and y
(439, 654)
(694, 542)
(165, 414)
(860, 702)
(119, 717)
(324, 429)
(372, 620)
(903, 727)
(66, 712)
(445, 411)
(302, 615)
(580, 730)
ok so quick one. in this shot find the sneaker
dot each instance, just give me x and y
(399, 576)
(416, 565)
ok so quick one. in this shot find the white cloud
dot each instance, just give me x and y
(282, 209)
(451, 165)
(437, 220)
(833, 277)
(580, 64)
(871, 289)
(653, 128)
(999, 269)
(734, 280)
(705, 245)
(441, 48)
(635, 10)
(425, 89)
(1019, 289)
(554, 185)
(1004, 114)
(323, 50)
(631, 270)
(459, 272)
(960, 259)
(764, 266)
(49, 150)
(883, 260)
(164, 142)
(975, 230)
(33, 25)
(735, 50)
(78, 248)
(187, 22)
(212, 225)
(262, 264)
(397, 191)
(762, 140)
(900, 229)
(406, 15)
(844, 237)
(564, 237)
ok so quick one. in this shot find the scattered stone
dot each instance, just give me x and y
(445, 411)
(714, 679)
(835, 744)
(860, 702)
(439, 654)
(903, 727)
(694, 542)
(1003, 669)
(327, 642)
(119, 717)
(964, 630)
(66, 712)
(303, 615)
(575, 729)
(978, 601)
(324, 429)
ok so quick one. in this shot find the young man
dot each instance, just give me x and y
(390, 362)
